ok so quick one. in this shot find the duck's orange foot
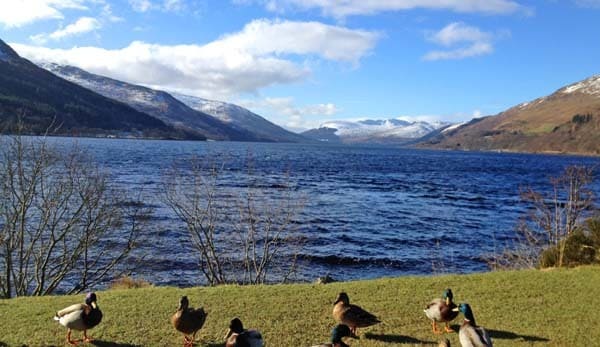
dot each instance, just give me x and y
(69, 341)
(435, 329)
(86, 338)
(73, 342)
(449, 330)
(188, 342)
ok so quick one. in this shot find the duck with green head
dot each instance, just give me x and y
(337, 333)
(80, 317)
(188, 320)
(441, 310)
(470, 334)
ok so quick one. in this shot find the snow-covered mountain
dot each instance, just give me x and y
(240, 118)
(373, 131)
(171, 110)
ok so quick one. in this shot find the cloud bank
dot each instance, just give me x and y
(263, 53)
(345, 8)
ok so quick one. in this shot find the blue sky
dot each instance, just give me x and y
(299, 63)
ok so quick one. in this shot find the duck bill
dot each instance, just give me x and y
(94, 305)
(229, 332)
(455, 309)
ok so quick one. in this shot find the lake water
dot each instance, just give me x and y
(369, 212)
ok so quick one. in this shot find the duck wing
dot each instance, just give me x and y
(474, 337)
(433, 311)
(73, 308)
(200, 316)
(484, 336)
(250, 338)
(359, 317)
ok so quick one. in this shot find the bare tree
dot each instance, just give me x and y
(552, 219)
(57, 216)
(555, 218)
(240, 234)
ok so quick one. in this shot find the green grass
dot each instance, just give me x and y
(519, 308)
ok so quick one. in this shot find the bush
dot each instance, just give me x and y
(579, 250)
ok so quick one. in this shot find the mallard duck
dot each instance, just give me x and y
(471, 335)
(352, 315)
(237, 336)
(188, 320)
(444, 343)
(441, 310)
(337, 333)
(80, 317)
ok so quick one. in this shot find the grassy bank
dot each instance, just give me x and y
(522, 308)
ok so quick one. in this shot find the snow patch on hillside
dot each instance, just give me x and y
(589, 86)
(453, 126)
(218, 109)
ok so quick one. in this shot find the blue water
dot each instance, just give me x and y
(369, 211)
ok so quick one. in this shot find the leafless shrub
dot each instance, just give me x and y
(61, 224)
(244, 234)
(551, 222)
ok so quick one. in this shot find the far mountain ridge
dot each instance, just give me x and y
(381, 131)
(566, 121)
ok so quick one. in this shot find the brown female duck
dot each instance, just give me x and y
(188, 321)
(352, 315)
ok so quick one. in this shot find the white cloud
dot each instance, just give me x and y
(457, 33)
(141, 5)
(81, 26)
(285, 112)
(174, 5)
(344, 8)
(108, 15)
(17, 13)
(472, 42)
(264, 53)
(155, 5)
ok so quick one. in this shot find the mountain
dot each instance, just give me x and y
(156, 103)
(241, 118)
(390, 131)
(567, 121)
(37, 101)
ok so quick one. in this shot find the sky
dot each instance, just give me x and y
(299, 63)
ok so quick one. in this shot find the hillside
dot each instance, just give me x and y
(40, 100)
(156, 103)
(518, 308)
(567, 121)
(242, 119)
